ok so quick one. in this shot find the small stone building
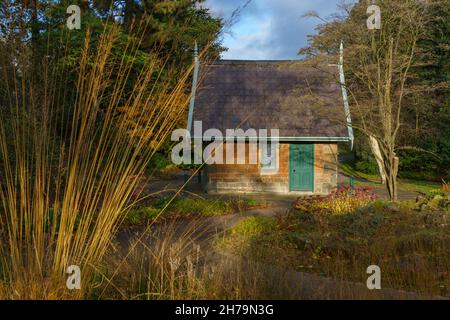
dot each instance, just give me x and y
(304, 101)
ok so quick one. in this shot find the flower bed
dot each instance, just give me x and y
(342, 200)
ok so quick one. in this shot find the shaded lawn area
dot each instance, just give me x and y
(189, 207)
(411, 247)
(373, 181)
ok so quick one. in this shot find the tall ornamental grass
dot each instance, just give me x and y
(72, 151)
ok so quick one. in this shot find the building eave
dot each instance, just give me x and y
(194, 89)
(345, 96)
(279, 139)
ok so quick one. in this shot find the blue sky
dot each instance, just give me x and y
(270, 29)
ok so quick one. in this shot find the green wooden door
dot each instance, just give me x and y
(301, 167)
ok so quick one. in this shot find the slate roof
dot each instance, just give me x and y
(300, 99)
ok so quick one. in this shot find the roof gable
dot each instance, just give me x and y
(302, 100)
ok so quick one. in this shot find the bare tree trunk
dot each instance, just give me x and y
(34, 21)
(391, 167)
(34, 32)
(128, 12)
(378, 157)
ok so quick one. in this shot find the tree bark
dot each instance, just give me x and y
(391, 167)
(34, 22)
(378, 157)
(128, 13)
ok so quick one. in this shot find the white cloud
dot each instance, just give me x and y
(269, 29)
(252, 45)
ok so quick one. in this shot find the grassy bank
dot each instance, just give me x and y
(409, 245)
(372, 180)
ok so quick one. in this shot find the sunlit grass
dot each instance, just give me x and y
(411, 247)
(181, 207)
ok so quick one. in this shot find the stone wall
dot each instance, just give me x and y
(247, 178)
(326, 169)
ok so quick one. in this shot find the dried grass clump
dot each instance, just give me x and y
(70, 158)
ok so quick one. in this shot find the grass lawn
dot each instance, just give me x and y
(371, 180)
(189, 207)
(179, 207)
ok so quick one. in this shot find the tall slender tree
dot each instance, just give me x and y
(379, 66)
